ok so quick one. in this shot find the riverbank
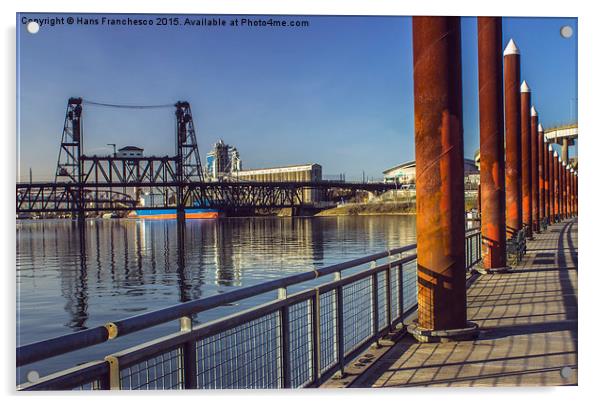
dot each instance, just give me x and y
(368, 209)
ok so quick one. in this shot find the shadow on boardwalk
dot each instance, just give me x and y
(528, 321)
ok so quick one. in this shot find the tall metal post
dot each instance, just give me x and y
(541, 173)
(534, 170)
(546, 178)
(440, 222)
(514, 209)
(491, 119)
(562, 180)
(566, 189)
(550, 152)
(525, 127)
(556, 187)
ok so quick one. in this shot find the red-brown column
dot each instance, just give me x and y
(576, 193)
(550, 160)
(566, 190)
(525, 128)
(541, 173)
(571, 197)
(556, 186)
(534, 170)
(491, 120)
(514, 209)
(562, 178)
(439, 173)
(546, 178)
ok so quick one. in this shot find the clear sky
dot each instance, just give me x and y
(338, 92)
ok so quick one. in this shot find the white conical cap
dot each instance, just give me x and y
(539, 128)
(524, 88)
(533, 111)
(555, 153)
(511, 48)
(563, 164)
(550, 148)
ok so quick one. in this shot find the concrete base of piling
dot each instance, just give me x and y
(471, 332)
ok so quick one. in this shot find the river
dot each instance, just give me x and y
(70, 279)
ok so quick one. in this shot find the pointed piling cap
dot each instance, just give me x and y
(524, 88)
(511, 48)
(555, 152)
(550, 148)
(540, 128)
(533, 111)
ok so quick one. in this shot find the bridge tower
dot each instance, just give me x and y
(188, 161)
(68, 165)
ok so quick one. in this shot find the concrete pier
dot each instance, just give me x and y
(528, 323)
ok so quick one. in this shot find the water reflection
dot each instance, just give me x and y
(71, 277)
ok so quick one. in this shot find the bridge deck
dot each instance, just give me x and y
(528, 321)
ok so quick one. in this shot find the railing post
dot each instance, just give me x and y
(375, 321)
(340, 345)
(285, 342)
(316, 336)
(114, 373)
(189, 360)
(388, 296)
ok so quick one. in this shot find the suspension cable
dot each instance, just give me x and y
(102, 104)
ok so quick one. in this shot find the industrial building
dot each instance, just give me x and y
(406, 173)
(222, 161)
(297, 173)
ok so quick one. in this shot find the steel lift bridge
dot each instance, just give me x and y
(94, 183)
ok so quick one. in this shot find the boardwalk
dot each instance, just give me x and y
(528, 320)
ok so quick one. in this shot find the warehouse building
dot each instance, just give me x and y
(297, 173)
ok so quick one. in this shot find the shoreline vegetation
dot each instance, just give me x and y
(405, 207)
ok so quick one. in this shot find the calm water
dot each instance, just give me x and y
(123, 267)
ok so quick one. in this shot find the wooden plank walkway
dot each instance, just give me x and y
(528, 321)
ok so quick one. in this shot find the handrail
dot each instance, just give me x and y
(40, 350)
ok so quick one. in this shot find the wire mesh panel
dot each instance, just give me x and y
(382, 300)
(328, 330)
(244, 357)
(300, 352)
(357, 313)
(410, 285)
(162, 372)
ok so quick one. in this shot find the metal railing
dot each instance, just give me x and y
(473, 246)
(296, 340)
(516, 247)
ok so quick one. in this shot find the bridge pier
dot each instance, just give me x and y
(440, 223)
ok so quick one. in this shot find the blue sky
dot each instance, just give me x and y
(338, 93)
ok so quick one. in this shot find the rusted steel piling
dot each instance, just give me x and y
(556, 186)
(541, 172)
(514, 209)
(546, 179)
(550, 170)
(565, 194)
(534, 170)
(440, 223)
(491, 120)
(561, 181)
(525, 127)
